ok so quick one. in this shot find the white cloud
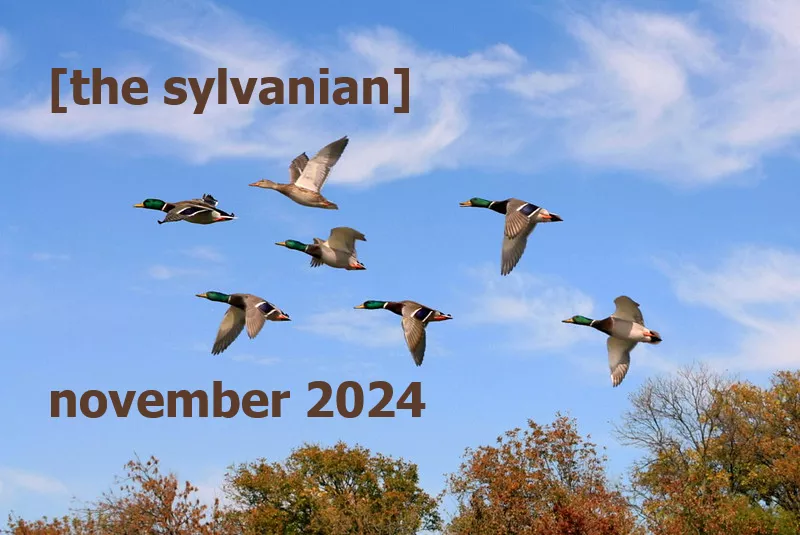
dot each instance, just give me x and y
(6, 49)
(204, 252)
(663, 94)
(12, 479)
(263, 361)
(689, 98)
(368, 328)
(49, 257)
(536, 85)
(758, 290)
(530, 308)
(160, 272)
(211, 37)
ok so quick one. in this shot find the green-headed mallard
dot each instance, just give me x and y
(625, 328)
(415, 318)
(306, 177)
(338, 251)
(245, 309)
(521, 219)
(200, 211)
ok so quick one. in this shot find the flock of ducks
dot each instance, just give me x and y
(625, 327)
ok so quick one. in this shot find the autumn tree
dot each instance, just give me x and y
(145, 502)
(760, 440)
(330, 491)
(540, 480)
(715, 454)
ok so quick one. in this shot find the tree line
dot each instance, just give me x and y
(718, 455)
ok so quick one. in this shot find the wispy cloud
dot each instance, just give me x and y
(204, 252)
(161, 272)
(758, 289)
(213, 37)
(529, 309)
(359, 327)
(663, 93)
(538, 85)
(680, 97)
(254, 359)
(49, 257)
(13, 479)
(6, 49)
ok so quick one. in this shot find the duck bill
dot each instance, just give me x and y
(204, 296)
(568, 320)
(138, 205)
(442, 317)
(359, 267)
(555, 217)
(281, 243)
(360, 306)
(465, 204)
(284, 317)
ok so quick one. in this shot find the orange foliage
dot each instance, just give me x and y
(543, 480)
(722, 456)
(148, 502)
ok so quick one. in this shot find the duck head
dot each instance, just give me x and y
(264, 183)
(215, 296)
(578, 320)
(475, 202)
(151, 204)
(293, 244)
(372, 305)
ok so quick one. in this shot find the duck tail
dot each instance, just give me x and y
(655, 337)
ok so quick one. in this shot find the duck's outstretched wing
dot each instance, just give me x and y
(414, 331)
(232, 324)
(519, 217)
(628, 309)
(256, 309)
(619, 358)
(344, 239)
(317, 169)
(513, 248)
(296, 167)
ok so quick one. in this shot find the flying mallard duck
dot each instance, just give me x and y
(200, 211)
(415, 319)
(521, 219)
(245, 309)
(625, 328)
(306, 177)
(338, 251)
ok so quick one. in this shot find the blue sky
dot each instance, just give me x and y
(664, 134)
